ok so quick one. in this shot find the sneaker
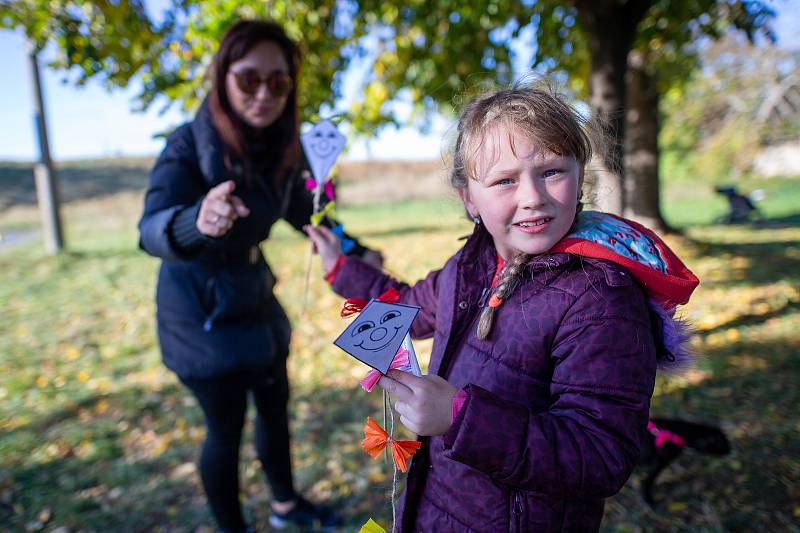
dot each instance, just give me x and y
(306, 515)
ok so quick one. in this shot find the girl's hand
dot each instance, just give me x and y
(425, 404)
(219, 210)
(326, 244)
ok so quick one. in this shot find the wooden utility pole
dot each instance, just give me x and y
(43, 171)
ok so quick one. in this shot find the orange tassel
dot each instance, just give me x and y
(494, 301)
(375, 440)
(352, 306)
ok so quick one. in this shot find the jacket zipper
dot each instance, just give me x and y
(484, 296)
(517, 513)
(444, 366)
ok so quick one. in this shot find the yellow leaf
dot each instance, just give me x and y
(101, 407)
(316, 218)
(326, 211)
(72, 353)
(41, 381)
(371, 527)
(676, 507)
(83, 376)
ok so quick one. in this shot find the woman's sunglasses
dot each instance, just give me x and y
(248, 81)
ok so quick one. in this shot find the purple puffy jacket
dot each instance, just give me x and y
(557, 397)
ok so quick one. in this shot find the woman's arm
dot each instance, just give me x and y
(176, 188)
(180, 217)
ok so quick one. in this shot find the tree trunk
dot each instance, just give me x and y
(642, 196)
(610, 26)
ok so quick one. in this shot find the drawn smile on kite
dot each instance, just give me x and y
(324, 143)
(377, 334)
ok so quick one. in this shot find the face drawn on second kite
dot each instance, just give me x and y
(376, 334)
(322, 144)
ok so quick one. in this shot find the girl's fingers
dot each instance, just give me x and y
(411, 381)
(321, 236)
(313, 236)
(409, 424)
(394, 387)
(326, 234)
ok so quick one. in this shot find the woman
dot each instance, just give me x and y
(215, 191)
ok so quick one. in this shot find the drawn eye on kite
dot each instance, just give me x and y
(388, 316)
(364, 326)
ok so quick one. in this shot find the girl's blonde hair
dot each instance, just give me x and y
(541, 113)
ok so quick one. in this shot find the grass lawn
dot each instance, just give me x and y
(95, 435)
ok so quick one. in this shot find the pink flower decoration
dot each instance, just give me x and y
(329, 192)
(327, 187)
(373, 376)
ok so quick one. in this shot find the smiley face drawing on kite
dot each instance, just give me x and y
(322, 144)
(375, 336)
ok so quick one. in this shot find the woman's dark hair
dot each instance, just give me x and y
(236, 43)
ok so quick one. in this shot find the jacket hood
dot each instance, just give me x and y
(648, 258)
(210, 151)
(667, 281)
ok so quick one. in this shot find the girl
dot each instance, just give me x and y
(543, 363)
(220, 184)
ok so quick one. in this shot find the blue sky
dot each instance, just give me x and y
(90, 122)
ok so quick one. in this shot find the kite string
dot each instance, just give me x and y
(317, 194)
(387, 406)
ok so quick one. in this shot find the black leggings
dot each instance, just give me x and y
(224, 403)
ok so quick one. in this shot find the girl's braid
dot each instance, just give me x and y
(509, 279)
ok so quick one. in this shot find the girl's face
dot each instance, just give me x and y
(526, 197)
(256, 84)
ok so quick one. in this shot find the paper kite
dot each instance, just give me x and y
(322, 144)
(375, 336)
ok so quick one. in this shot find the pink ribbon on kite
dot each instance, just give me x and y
(373, 376)
(327, 187)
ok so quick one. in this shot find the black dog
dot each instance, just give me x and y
(740, 207)
(666, 439)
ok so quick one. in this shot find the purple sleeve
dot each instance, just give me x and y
(587, 442)
(357, 279)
